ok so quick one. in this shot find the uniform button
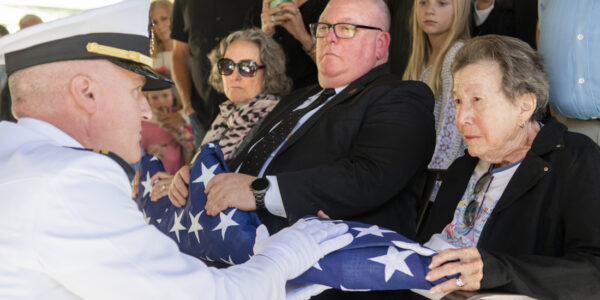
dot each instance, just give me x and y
(580, 37)
(581, 81)
(545, 169)
(558, 146)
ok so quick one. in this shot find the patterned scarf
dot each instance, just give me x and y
(233, 122)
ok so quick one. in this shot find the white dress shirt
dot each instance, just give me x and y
(69, 229)
(273, 201)
(482, 14)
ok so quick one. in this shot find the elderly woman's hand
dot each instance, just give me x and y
(178, 191)
(160, 185)
(465, 261)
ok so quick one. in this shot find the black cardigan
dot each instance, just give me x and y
(543, 237)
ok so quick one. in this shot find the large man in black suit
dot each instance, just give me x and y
(361, 155)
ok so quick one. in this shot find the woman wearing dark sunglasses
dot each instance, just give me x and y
(519, 212)
(248, 66)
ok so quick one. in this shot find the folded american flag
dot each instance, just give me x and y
(196, 233)
(153, 211)
(377, 259)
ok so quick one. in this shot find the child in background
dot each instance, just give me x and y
(439, 28)
(168, 134)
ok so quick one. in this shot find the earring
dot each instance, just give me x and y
(522, 124)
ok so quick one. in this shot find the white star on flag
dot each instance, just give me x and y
(414, 247)
(317, 266)
(229, 262)
(207, 174)
(177, 225)
(146, 218)
(146, 184)
(394, 260)
(373, 230)
(226, 221)
(195, 227)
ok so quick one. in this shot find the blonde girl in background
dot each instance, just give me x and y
(162, 44)
(439, 28)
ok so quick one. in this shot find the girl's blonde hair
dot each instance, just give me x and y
(157, 45)
(421, 48)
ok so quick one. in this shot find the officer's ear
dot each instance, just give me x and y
(81, 88)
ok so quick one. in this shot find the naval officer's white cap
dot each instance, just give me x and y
(118, 33)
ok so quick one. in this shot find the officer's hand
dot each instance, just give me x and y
(295, 249)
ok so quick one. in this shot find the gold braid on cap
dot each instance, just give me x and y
(119, 53)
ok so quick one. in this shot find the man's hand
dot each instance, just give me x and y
(229, 190)
(295, 249)
(178, 191)
(464, 261)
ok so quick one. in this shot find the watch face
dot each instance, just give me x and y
(260, 184)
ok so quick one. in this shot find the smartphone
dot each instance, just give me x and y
(275, 3)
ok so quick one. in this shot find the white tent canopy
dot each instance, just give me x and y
(12, 10)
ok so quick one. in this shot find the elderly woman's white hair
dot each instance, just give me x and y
(522, 68)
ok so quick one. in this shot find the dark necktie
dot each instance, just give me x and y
(262, 149)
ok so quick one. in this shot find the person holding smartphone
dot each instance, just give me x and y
(287, 22)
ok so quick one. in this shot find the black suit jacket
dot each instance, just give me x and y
(516, 18)
(361, 157)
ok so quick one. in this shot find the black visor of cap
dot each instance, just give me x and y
(154, 81)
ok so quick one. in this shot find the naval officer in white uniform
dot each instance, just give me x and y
(68, 226)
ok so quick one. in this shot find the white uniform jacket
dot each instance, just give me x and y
(69, 230)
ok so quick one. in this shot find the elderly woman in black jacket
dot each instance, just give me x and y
(519, 212)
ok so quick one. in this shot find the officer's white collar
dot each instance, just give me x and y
(50, 131)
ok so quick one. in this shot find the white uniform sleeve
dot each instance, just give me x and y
(91, 238)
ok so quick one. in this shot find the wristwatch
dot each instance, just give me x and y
(259, 187)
